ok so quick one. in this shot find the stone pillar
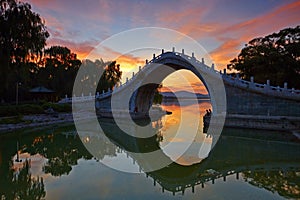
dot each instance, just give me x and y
(268, 82)
(103, 91)
(182, 51)
(82, 95)
(173, 49)
(202, 60)
(251, 85)
(193, 55)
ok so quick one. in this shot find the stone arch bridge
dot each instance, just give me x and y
(229, 95)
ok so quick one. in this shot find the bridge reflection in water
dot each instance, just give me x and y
(270, 164)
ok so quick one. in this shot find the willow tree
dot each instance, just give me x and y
(23, 35)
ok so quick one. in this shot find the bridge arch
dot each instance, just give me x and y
(143, 85)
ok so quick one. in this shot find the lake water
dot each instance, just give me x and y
(244, 164)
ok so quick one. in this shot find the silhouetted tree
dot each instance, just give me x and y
(275, 57)
(22, 37)
(110, 75)
(58, 70)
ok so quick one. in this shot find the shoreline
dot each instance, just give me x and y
(37, 120)
(272, 123)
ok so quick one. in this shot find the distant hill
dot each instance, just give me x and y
(183, 95)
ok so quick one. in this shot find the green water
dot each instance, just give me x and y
(58, 166)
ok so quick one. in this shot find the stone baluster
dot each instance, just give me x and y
(267, 86)
(251, 85)
(173, 49)
(285, 85)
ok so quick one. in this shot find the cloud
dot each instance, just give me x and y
(82, 49)
(233, 37)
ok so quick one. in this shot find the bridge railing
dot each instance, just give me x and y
(259, 87)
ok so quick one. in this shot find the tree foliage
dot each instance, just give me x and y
(23, 35)
(106, 74)
(275, 57)
(24, 59)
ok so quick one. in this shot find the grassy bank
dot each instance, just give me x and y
(29, 109)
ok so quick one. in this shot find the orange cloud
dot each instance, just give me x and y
(224, 53)
(82, 49)
(242, 32)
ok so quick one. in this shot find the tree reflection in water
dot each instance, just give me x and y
(62, 149)
(21, 185)
(285, 183)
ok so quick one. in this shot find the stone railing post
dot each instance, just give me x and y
(285, 85)
(162, 51)
(251, 82)
(173, 49)
(267, 86)
(182, 51)
(202, 60)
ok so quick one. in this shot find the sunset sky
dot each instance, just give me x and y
(222, 27)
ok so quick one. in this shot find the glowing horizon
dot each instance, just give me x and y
(222, 28)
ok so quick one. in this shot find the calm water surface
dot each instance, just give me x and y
(58, 166)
